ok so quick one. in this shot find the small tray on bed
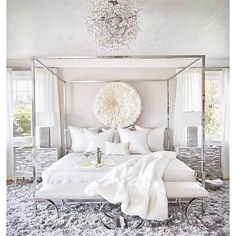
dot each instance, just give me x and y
(94, 165)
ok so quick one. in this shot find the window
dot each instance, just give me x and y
(22, 97)
(213, 106)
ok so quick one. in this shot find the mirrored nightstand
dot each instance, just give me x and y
(192, 157)
(24, 161)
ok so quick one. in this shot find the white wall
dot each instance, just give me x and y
(80, 99)
(80, 96)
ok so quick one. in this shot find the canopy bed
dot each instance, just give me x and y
(69, 178)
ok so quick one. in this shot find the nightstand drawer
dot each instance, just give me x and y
(24, 161)
(44, 158)
(192, 157)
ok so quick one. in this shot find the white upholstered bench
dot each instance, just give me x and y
(177, 192)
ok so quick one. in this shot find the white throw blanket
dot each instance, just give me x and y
(137, 184)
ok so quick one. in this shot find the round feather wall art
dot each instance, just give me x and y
(117, 104)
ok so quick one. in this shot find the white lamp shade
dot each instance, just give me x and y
(192, 118)
(45, 119)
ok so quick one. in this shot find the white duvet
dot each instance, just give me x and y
(137, 185)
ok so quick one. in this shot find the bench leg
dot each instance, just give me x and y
(181, 209)
(54, 205)
(117, 219)
(194, 215)
(114, 221)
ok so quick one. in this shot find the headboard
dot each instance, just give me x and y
(68, 140)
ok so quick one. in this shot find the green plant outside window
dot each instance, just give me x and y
(213, 112)
(22, 120)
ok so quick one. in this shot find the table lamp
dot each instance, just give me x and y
(45, 120)
(192, 119)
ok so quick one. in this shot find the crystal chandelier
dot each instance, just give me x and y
(113, 23)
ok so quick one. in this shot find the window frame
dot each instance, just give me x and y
(22, 75)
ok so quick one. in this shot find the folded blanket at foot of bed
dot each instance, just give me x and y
(137, 185)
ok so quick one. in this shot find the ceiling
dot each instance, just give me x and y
(52, 28)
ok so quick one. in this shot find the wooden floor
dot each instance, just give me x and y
(20, 181)
(9, 182)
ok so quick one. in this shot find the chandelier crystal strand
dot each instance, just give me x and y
(113, 24)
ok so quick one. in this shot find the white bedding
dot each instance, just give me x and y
(67, 170)
(137, 185)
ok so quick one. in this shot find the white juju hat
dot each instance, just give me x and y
(117, 104)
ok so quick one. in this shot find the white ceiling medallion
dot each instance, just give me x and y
(117, 104)
(113, 24)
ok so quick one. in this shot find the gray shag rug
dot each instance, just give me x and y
(76, 219)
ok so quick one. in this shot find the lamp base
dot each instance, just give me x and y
(192, 136)
(44, 137)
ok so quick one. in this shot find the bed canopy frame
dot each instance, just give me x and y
(186, 62)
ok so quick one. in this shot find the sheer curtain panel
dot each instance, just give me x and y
(188, 98)
(226, 124)
(47, 100)
(10, 153)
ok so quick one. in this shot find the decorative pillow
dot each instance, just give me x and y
(155, 138)
(98, 140)
(117, 148)
(78, 138)
(137, 140)
(116, 136)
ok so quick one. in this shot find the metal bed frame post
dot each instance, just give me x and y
(168, 115)
(33, 128)
(65, 118)
(203, 164)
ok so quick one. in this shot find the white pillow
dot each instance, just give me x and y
(117, 148)
(78, 138)
(155, 138)
(98, 140)
(116, 136)
(137, 139)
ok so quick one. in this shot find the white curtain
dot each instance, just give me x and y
(225, 124)
(10, 154)
(47, 100)
(188, 98)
